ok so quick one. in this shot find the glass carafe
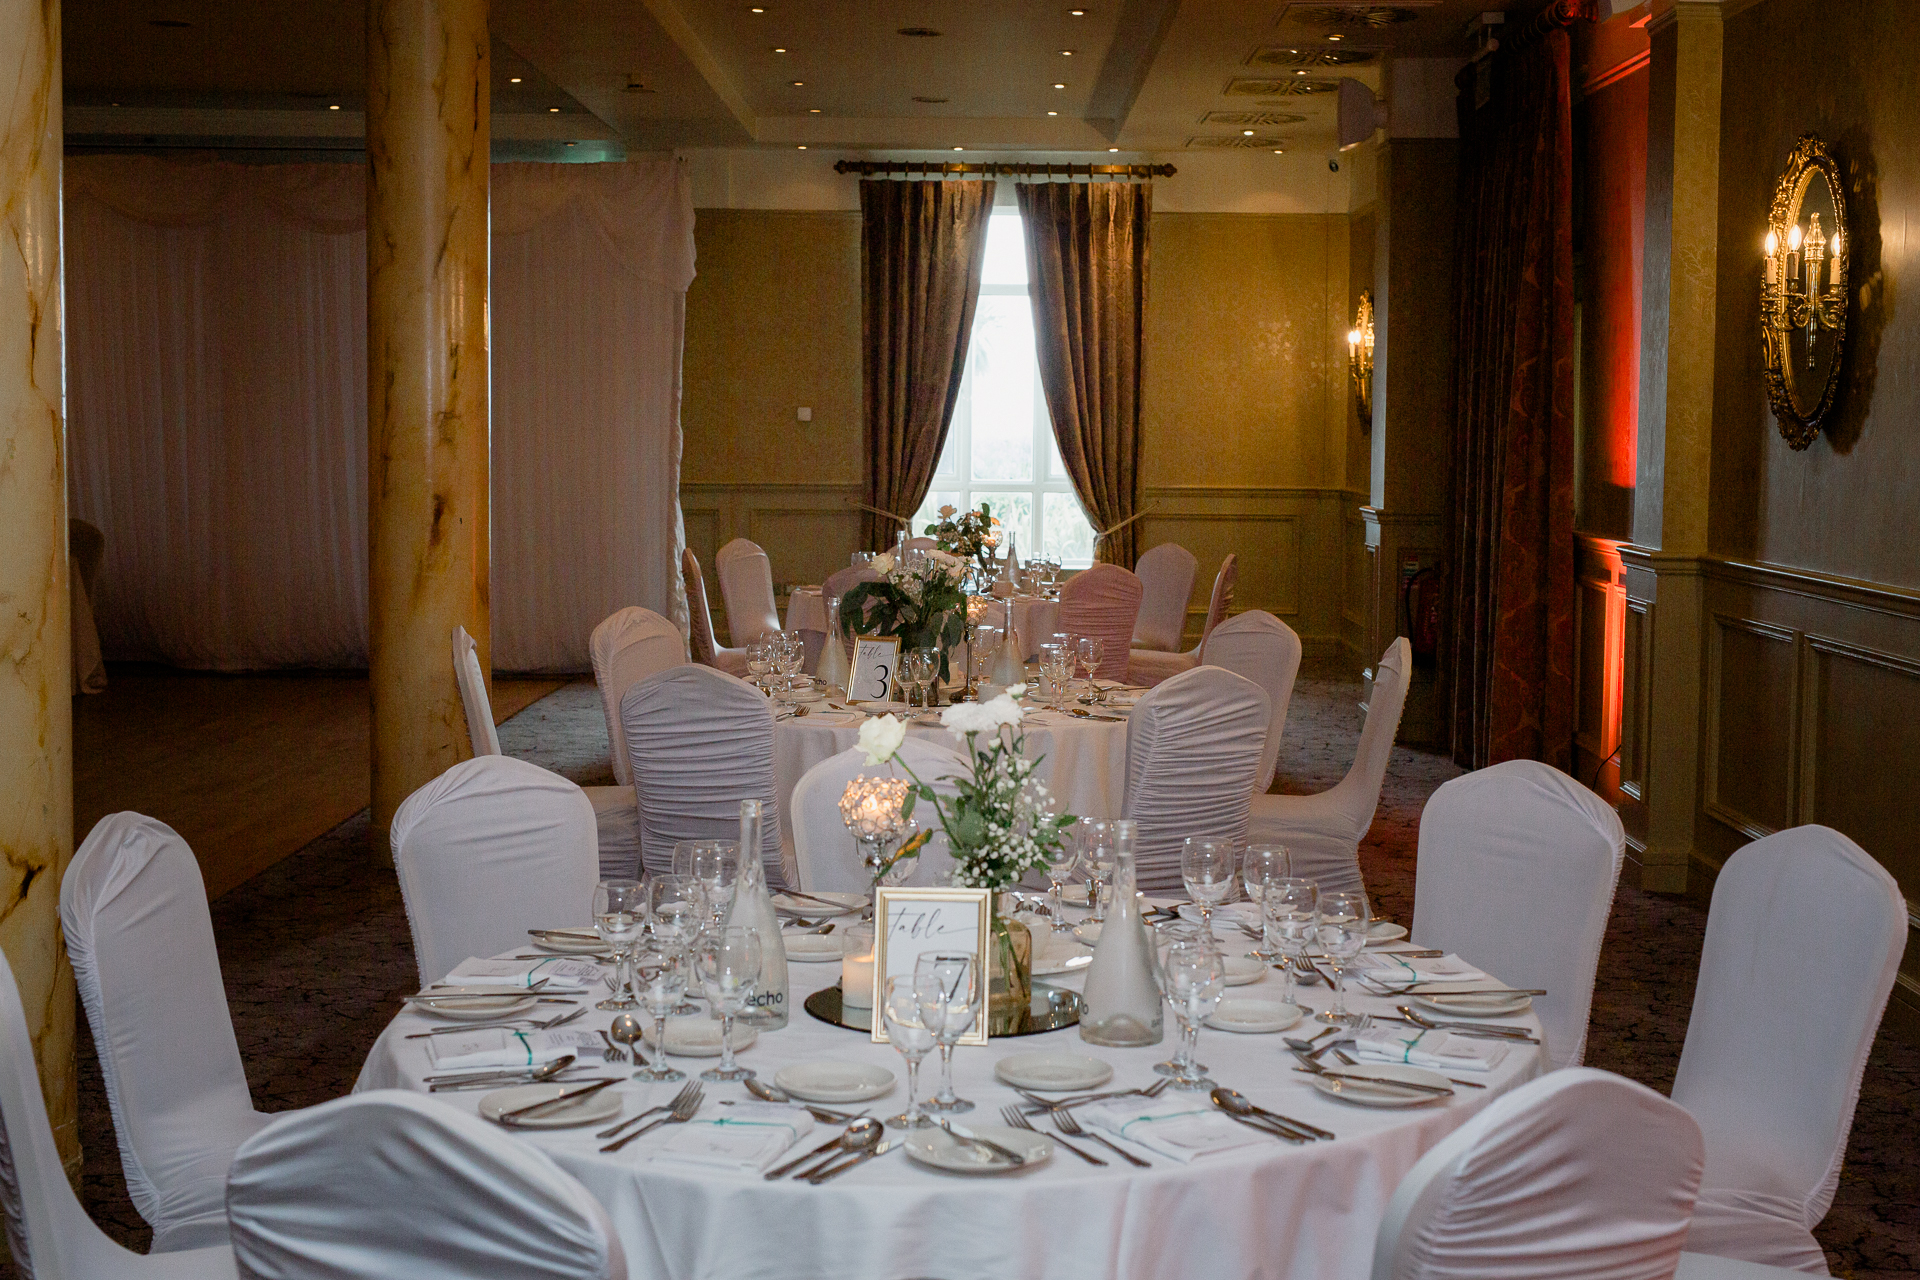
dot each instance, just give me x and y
(834, 668)
(1123, 1004)
(752, 907)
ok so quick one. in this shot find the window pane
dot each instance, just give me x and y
(1015, 511)
(1056, 466)
(1006, 251)
(1069, 537)
(929, 510)
(1001, 365)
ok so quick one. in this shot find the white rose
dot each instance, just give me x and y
(882, 564)
(963, 718)
(880, 738)
(1016, 690)
(1002, 710)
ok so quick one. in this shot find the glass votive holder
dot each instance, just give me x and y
(856, 966)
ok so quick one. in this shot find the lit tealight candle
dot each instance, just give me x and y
(856, 968)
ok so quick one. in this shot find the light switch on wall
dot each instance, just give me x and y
(804, 414)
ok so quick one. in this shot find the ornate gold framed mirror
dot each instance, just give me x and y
(1360, 358)
(1803, 301)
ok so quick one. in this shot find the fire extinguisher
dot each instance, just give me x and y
(1420, 598)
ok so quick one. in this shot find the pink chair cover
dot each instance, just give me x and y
(700, 741)
(731, 661)
(1103, 601)
(1265, 650)
(841, 581)
(1580, 1175)
(473, 695)
(1193, 747)
(628, 646)
(746, 587)
(824, 850)
(1222, 602)
(489, 849)
(386, 1184)
(921, 544)
(1323, 832)
(1150, 666)
(1806, 921)
(1517, 868)
(1166, 576)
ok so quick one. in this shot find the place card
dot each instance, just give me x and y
(912, 922)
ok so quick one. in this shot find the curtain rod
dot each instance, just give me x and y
(918, 168)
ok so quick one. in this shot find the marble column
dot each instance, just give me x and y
(36, 707)
(427, 157)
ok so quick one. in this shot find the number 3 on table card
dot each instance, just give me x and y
(875, 660)
(910, 923)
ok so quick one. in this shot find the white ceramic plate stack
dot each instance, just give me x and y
(1049, 1072)
(468, 1004)
(1474, 1004)
(699, 1037)
(1244, 970)
(827, 1081)
(1381, 931)
(811, 948)
(1364, 1094)
(604, 1105)
(1254, 1017)
(938, 1149)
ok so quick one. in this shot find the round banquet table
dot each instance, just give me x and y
(1264, 1212)
(1034, 618)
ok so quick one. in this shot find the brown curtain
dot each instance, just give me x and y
(921, 248)
(1511, 624)
(1087, 271)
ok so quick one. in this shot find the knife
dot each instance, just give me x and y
(1389, 1081)
(574, 1095)
(835, 1170)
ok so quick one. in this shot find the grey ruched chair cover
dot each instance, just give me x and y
(1193, 747)
(700, 741)
(628, 646)
(1265, 650)
(824, 850)
(700, 621)
(1103, 601)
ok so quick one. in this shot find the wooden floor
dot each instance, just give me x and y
(247, 768)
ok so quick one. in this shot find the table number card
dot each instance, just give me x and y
(910, 923)
(875, 660)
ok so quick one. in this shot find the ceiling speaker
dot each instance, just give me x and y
(1360, 113)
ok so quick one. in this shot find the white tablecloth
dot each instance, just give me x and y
(1259, 1213)
(1034, 619)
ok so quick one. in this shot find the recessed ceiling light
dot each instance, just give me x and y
(802, 147)
(1246, 133)
(1076, 13)
(1113, 148)
(1053, 113)
(333, 106)
(1066, 53)
(813, 111)
(1059, 86)
(959, 148)
(555, 109)
(1334, 37)
(798, 84)
(573, 144)
(777, 49)
(1277, 151)
(513, 79)
(1300, 72)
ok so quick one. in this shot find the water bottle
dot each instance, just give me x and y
(1008, 668)
(834, 670)
(1122, 999)
(752, 907)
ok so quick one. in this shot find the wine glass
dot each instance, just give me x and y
(715, 865)
(1194, 977)
(1342, 934)
(900, 1009)
(1091, 650)
(759, 663)
(728, 962)
(1290, 912)
(677, 914)
(1059, 871)
(662, 984)
(929, 677)
(619, 916)
(1260, 866)
(1056, 663)
(947, 988)
(1206, 868)
(1101, 854)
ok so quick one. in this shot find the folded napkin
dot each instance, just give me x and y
(1179, 1128)
(458, 1050)
(1440, 1050)
(560, 971)
(1384, 969)
(744, 1138)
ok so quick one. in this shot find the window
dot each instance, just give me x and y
(1000, 448)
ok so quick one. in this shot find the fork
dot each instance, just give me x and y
(684, 1106)
(531, 1024)
(1067, 1123)
(1016, 1120)
(686, 1089)
(614, 1053)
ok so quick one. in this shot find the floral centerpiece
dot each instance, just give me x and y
(999, 823)
(971, 535)
(921, 601)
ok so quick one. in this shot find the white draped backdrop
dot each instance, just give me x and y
(217, 404)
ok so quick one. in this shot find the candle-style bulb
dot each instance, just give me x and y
(1773, 243)
(1793, 238)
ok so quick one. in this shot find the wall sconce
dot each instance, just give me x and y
(1360, 359)
(1803, 301)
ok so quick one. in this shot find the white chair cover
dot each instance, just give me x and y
(1193, 747)
(628, 646)
(1166, 575)
(1804, 921)
(1103, 601)
(1265, 650)
(1323, 831)
(824, 851)
(48, 1232)
(1150, 666)
(390, 1184)
(700, 621)
(841, 581)
(1580, 1175)
(473, 695)
(134, 911)
(1704, 1266)
(746, 587)
(700, 742)
(1517, 869)
(489, 849)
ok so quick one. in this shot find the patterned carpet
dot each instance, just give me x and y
(315, 952)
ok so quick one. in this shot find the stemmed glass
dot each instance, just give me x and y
(1059, 871)
(1259, 867)
(1194, 976)
(900, 1007)
(1206, 868)
(1056, 663)
(947, 989)
(1291, 914)
(728, 962)
(714, 865)
(790, 658)
(759, 663)
(619, 916)
(1342, 934)
(1091, 650)
(676, 916)
(1101, 853)
(929, 677)
(661, 984)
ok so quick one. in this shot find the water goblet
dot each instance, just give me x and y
(662, 984)
(1342, 934)
(1056, 663)
(676, 917)
(900, 1010)
(947, 988)
(1260, 866)
(929, 677)
(1290, 912)
(619, 916)
(1195, 977)
(759, 663)
(715, 865)
(1164, 937)
(1101, 854)
(1206, 868)
(1059, 871)
(1091, 650)
(728, 962)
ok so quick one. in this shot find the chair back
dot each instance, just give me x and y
(828, 859)
(746, 587)
(1194, 743)
(1579, 1175)
(699, 616)
(627, 647)
(1359, 791)
(1222, 602)
(841, 581)
(1103, 601)
(1166, 574)
(1265, 650)
(1517, 869)
(922, 544)
(134, 911)
(473, 694)
(1803, 920)
(390, 1183)
(489, 849)
(88, 547)
(699, 742)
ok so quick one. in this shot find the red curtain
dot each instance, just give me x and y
(1511, 624)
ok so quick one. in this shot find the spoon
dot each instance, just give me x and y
(766, 1092)
(861, 1133)
(626, 1030)
(1235, 1103)
(861, 1145)
(1492, 1030)
(546, 1071)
